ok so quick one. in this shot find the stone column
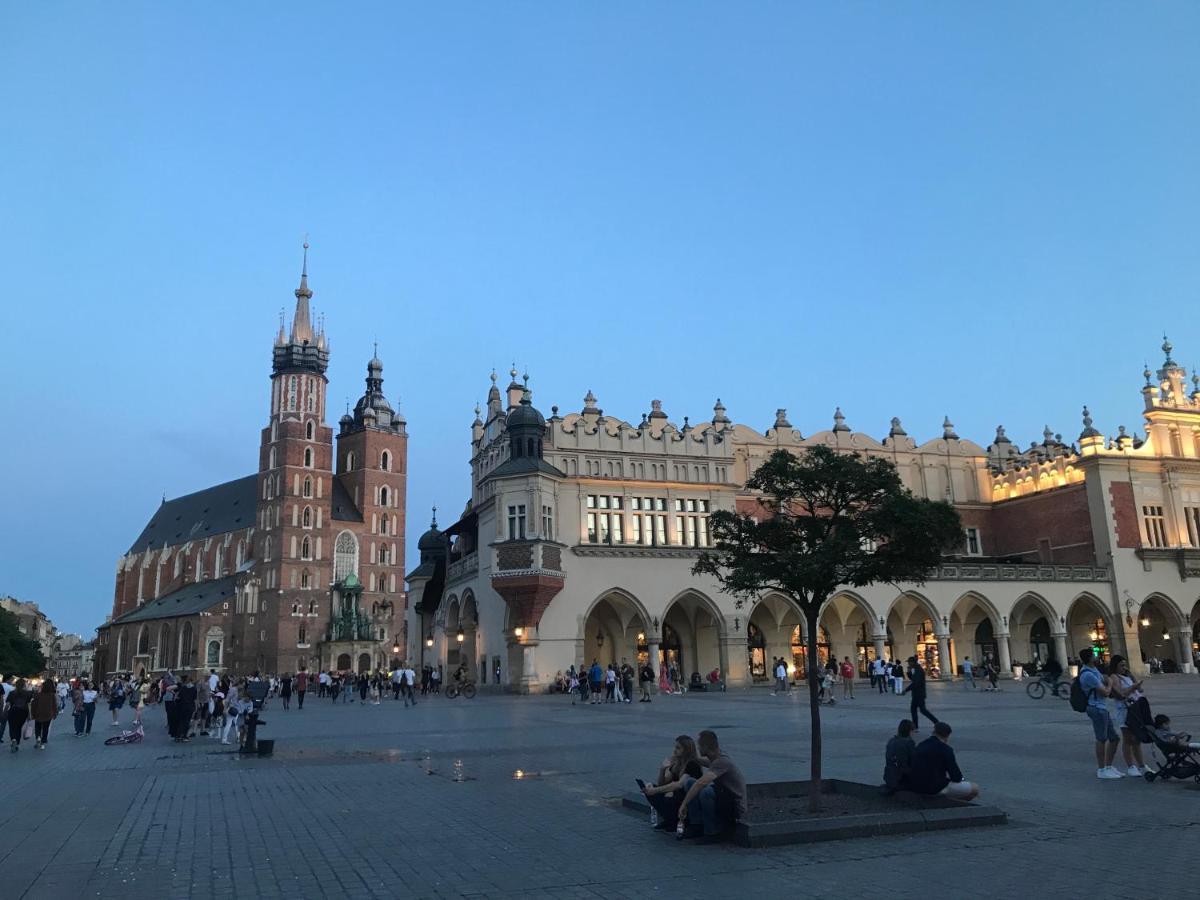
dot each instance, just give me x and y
(1183, 638)
(652, 649)
(880, 645)
(735, 665)
(1060, 650)
(1005, 657)
(944, 656)
(527, 682)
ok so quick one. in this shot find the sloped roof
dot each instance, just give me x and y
(187, 601)
(523, 465)
(214, 510)
(342, 508)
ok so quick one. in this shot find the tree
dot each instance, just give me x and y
(19, 655)
(826, 521)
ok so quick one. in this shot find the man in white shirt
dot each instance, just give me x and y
(410, 678)
(212, 680)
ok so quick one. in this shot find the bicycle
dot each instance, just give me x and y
(467, 689)
(127, 737)
(1037, 689)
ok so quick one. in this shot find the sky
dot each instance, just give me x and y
(982, 210)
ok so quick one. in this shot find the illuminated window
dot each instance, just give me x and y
(691, 522)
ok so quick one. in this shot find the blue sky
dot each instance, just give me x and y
(982, 210)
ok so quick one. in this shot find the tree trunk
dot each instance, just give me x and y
(812, 616)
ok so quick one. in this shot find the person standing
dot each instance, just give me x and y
(44, 710)
(301, 688)
(1096, 687)
(408, 677)
(916, 686)
(170, 696)
(364, 685)
(610, 684)
(137, 699)
(1128, 705)
(645, 680)
(185, 708)
(285, 690)
(898, 677)
(204, 704)
(595, 677)
(968, 674)
(847, 674)
(627, 680)
(881, 675)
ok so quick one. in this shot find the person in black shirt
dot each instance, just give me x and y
(916, 686)
(186, 706)
(935, 770)
(897, 759)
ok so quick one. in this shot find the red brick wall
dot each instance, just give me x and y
(1125, 519)
(1061, 516)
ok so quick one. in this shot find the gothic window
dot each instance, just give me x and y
(213, 657)
(306, 519)
(312, 607)
(383, 496)
(385, 461)
(305, 579)
(349, 462)
(271, 460)
(345, 556)
(120, 651)
(199, 565)
(218, 562)
(267, 549)
(307, 486)
(383, 554)
(302, 636)
(308, 430)
(383, 524)
(143, 642)
(295, 609)
(292, 392)
(240, 557)
(312, 402)
(185, 647)
(308, 457)
(178, 565)
(306, 548)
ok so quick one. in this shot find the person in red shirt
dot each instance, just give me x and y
(301, 688)
(847, 673)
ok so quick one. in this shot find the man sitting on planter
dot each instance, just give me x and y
(717, 799)
(935, 771)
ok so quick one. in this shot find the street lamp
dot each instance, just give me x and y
(518, 631)
(429, 641)
(460, 637)
(396, 648)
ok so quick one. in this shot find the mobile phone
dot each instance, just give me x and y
(641, 784)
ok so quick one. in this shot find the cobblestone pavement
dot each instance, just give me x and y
(383, 801)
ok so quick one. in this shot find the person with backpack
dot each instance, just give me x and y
(116, 699)
(1088, 694)
(646, 678)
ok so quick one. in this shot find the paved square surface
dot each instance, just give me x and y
(383, 801)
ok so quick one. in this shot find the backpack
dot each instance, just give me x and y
(1079, 697)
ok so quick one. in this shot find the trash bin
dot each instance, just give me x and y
(266, 747)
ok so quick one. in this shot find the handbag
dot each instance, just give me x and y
(27, 731)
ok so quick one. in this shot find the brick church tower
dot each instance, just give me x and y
(295, 490)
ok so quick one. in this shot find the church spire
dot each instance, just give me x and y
(302, 330)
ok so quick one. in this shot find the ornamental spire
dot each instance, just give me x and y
(302, 331)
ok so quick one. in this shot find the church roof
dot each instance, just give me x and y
(523, 465)
(187, 601)
(215, 510)
(342, 508)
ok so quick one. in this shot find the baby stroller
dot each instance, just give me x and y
(1182, 758)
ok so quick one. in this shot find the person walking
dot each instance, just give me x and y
(301, 688)
(364, 685)
(847, 674)
(916, 686)
(185, 709)
(63, 691)
(881, 675)
(16, 709)
(170, 696)
(409, 677)
(897, 678)
(44, 710)
(116, 699)
(88, 695)
(137, 699)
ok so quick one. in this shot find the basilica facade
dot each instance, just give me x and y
(578, 540)
(297, 565)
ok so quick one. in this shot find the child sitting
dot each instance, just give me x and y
(1162, 729)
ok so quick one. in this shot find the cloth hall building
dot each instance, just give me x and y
(297, 565)
(579, 537)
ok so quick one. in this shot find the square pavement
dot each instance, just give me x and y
(387, 801)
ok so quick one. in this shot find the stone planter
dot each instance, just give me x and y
(855, 810)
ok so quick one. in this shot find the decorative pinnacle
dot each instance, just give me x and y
(948, 430)
(897, 429)
(839, 421)
(477, 410)
(1088, 430)
(1166, 349)
(304, 266)
(513, 371)
(493, 376)
(433, 524)
(1146, 373)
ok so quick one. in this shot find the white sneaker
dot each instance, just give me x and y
(1107, 772)
(1134, 772)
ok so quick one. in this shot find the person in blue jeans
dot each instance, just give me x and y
(1096, 687)
(717, 799)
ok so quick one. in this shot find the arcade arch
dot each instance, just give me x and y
(1089, 625)
(1159, 624)
(692, 628)
(616, 627)
(1032, 626)
(915, 626)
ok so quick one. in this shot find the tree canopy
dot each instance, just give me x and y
(825, 521)
(19, 655)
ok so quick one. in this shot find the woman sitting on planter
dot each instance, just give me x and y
(667, 793)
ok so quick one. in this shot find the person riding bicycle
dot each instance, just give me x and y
(1052, 671)
(460, 675)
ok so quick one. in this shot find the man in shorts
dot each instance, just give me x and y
(1095, 685)
(935, 770)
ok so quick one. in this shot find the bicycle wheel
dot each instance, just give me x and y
(451, 692)
(1063, 690)
(1036, 690)
(468, 691)
(114, 741)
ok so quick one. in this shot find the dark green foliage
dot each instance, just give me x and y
(19, 655)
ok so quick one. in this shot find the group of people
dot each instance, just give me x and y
(699, 793)
(607, 684)
(28, 708)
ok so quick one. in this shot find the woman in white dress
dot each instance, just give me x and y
(1125, 693)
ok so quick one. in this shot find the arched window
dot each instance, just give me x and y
(292, 392)
(295, 609)
(345, 556)
(163, 656)
(383, 496)
(143, 642)
(306, 548)
(385, 461)
(213, 657)
(306, 518)
(383, 524)
(302, 635)
(350, 461)
(199, 566)
(120, 661)
(305, 579)
(271, 459)
(178, 564)
(308, 430)
(218, 563)
(240, 556)
(186, 650)
(383, 554)
(267, 549)
(308, 457)
(307, 486)
(312, 607)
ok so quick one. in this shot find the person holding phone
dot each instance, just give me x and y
(667, 793)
